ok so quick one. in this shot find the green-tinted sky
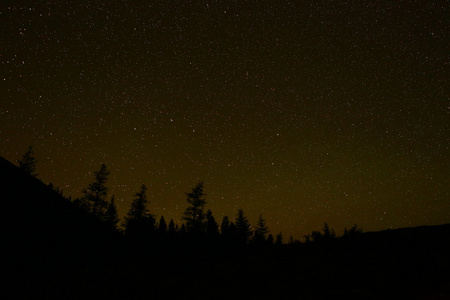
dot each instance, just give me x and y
(302, 111)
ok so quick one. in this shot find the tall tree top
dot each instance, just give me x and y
(112, 217)
(138, 210)
(28, 162)
(95, 194)
(196, 195)
(261, 230)
(225, 224)
(101, 176)
(243, 227)
(194, 214)
(162, 225)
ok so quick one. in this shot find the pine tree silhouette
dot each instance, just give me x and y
(172, 230)
(111, 217)
(224, 225)
(353, 232)
(138, 210)
(243, 227)
(261, 230)
(291, 240)
(94, 196)
(270, 239)
(228, 231)
(193, 215)
(212, 228)
(139, 223)
(327, 233)
(279, 239)
(162, 228)
(28, 162)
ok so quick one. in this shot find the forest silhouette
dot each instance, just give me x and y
(56, 247)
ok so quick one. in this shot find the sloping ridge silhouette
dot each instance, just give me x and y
(33, 211)
(41, 230)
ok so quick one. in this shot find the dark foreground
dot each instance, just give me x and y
(397, 264)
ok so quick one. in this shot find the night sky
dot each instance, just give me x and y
(302, 111)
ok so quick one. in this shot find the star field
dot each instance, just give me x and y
(301, 111)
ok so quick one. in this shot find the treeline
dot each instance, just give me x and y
(140, 224)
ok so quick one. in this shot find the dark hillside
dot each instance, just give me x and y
(33, 211)
(43, 234)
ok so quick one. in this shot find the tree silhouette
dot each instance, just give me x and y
(317, 236)
(28, 162)
(243, 227)
(291, 240)
(138, 210)
(94, 196)
(193, 215)
(327, 233)
(279, 239)
(270, 239)
(56, 189)
(111, 216)
(354, 231)
(229, 231)
(162, 228)
(224, 225)
(138, 221)
(172, 230)
(307, 238)
(261, 230)
(212, 228)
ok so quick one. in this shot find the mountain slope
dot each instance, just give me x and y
(43, 234)
(34, 211)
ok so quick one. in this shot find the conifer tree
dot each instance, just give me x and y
(162, 228)
(316, 236)
(228, 231)
(111, 217)
(327, 233)
(354, 231)
(261, 230)
(94, 196)
(172, 229)
(212, 228)
(194, 213)
(270, 239)
(307, 238)
(243, 227)
(291, 240)
(225, 225)
(55, 188)
(279, 239)
(138, 210)
(138, 221)
(28, 162)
